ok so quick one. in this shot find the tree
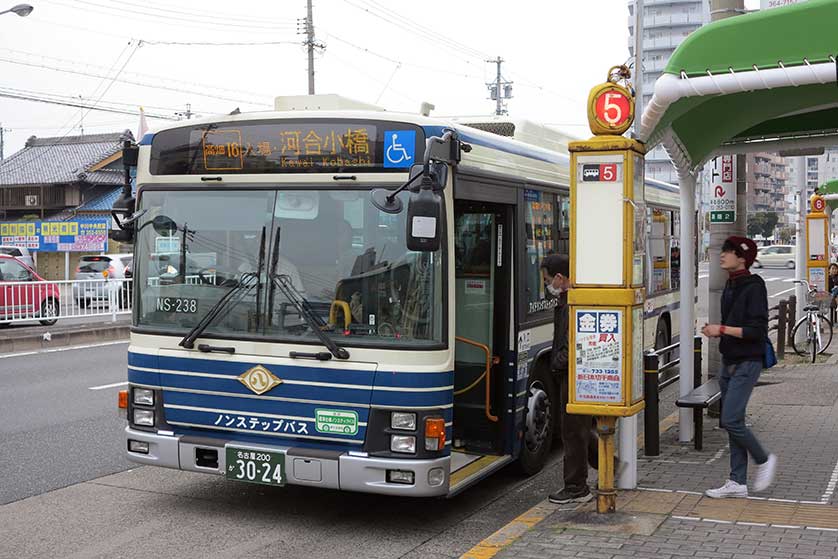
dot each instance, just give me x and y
(762, 223)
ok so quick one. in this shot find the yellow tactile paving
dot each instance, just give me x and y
(654, 502)
(730, 509)
(687, 504)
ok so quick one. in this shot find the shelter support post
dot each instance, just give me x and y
(687, 314)
(800, 241)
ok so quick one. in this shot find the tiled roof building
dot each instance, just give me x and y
(55, 177)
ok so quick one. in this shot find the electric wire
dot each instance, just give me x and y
(38, 157)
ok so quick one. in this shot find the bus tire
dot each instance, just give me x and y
(537, 441)
(663, 338)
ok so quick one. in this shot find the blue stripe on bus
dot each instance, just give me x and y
(359, 395)
(147, 138)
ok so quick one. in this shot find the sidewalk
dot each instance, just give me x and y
(794, 411)
(29, 337)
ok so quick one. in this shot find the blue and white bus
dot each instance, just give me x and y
(290, 328)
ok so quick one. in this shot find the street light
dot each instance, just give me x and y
(22, 10)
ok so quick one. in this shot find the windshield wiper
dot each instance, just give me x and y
(303, 307)
(245, 285)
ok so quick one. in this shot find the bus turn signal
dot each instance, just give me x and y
(434, 433)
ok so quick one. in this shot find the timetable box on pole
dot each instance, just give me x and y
(817, 240)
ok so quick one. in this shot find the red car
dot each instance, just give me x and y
(25, 294)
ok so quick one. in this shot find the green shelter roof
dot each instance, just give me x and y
(765, 78)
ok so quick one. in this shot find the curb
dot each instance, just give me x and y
(80, 336)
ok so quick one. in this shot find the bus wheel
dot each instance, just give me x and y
(538, 424)
(663, 339)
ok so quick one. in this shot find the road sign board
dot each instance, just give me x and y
(723, 190)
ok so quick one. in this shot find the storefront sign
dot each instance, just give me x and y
(83, 235)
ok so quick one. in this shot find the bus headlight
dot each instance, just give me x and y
(403, 443)
(144, 417)
(403, 420)
(144, 397)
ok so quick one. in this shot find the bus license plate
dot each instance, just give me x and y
(255, 466)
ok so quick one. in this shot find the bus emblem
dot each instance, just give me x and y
(259, 379)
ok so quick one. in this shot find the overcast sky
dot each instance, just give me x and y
(119, 54)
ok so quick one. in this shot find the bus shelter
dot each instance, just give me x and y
(765, 81)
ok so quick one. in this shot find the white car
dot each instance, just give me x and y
(21, 254)
(93, 286)
(775, 255)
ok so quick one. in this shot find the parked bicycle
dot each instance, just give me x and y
(818, 334)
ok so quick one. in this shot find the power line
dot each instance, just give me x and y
(110, 84)
(402, 62)
(180, 22)
(425, 34)
(202, 93)
(77, 104)
(224, 16)
(62, 62)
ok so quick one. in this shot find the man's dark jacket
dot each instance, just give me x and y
(745, 304)
(558, 358)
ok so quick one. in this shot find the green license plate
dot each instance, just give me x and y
(255, 466)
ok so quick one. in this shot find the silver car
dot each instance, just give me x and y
(774, 256)
(101, 278)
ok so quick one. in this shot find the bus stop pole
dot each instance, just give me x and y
(687, 322)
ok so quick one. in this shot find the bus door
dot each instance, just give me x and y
(483, 242)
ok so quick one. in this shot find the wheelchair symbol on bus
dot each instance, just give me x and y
(399, 148)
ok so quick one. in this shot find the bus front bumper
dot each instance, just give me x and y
(303, 466)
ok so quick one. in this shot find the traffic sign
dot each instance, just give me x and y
(723, 183)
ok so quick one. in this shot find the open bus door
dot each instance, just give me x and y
(483, 279)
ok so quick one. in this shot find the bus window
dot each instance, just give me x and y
(539, 214)
(563, 223)
(660, 247)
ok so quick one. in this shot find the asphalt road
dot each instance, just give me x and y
(54, 430)
(62, 458)
(778, 281)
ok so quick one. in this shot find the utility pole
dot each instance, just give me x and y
(187, 114)
(721, 9)
(500, 90)
(311, 44)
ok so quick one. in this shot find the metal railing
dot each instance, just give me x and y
(654, 381)
(50, 301)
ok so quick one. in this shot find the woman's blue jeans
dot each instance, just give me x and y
(737, 382)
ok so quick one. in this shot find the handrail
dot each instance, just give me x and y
(487, 374)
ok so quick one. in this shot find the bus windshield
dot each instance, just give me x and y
(331, 252)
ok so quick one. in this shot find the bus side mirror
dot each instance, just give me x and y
(424, 216)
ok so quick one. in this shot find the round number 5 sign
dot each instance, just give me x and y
(611, 109)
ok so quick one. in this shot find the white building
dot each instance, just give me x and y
(666, 23)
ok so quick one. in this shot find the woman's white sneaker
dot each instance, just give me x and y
(765, 473)
(728, 490)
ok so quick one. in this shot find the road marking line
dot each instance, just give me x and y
(114, 385)
(789, 280)
(702, 276)
(781, 292)
(490, 546)
(56, 349)
(771, 279)
(830, 487)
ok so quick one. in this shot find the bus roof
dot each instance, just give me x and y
(500, 145)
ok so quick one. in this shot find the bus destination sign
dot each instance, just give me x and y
(287, 147)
